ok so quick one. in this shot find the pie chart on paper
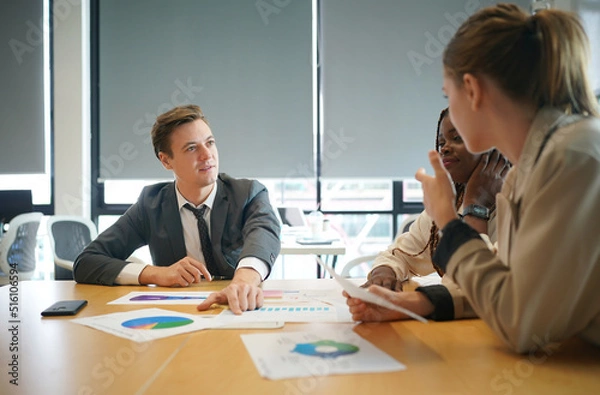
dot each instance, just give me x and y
(158, 322)
(325, 349)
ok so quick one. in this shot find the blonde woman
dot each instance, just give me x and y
(525, 78)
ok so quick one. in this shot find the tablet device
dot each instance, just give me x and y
(292, 216)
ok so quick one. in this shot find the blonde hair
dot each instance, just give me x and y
(166, 123)
(541, 58)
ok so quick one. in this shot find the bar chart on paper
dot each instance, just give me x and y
(297, 311)
(313, 312)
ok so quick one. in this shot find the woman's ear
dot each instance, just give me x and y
(473, 87)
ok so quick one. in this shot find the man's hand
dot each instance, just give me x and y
(367, 312)
(438, 192)
(242, 294)
(383, 276)
(180, 274)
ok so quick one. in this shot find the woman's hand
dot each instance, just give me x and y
(416, 302)
(385, 277)
(439, 194)
(486, 180)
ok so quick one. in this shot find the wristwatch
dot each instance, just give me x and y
(477, 211)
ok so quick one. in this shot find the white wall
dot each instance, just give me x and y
(71, 107)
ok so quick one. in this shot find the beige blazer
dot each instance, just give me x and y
(544, 284)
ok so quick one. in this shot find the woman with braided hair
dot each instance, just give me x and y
(477, 179)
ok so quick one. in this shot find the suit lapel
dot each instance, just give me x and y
(218, 217)
(172, 221)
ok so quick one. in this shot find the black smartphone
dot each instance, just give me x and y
(64, 307)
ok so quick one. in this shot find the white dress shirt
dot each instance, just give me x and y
(131, 272)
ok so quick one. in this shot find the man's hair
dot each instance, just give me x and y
(166, 123)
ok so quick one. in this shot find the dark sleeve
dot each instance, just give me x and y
(105, 257)
(455, 234)
(442, 301)
(261, 229)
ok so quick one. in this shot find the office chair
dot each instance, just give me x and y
(366, 261)
(69, 235)
(17, 247)
(408, 221)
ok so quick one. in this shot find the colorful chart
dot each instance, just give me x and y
(289, 309)
(325, 349)
(159, 322)
(164, 297)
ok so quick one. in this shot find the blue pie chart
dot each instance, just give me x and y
(325, 349)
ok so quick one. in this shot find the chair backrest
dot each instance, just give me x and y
(69, 235)
(17, 246)
(408, 221)
(365, 260)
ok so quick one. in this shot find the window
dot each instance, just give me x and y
(589, 12)
(25, 100)
(330, 104)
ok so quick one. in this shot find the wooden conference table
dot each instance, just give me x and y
(462, 357)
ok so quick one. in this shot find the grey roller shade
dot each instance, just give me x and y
(382, 82)
(22, 94)
(247, 66)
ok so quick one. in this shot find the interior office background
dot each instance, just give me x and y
(332, 104)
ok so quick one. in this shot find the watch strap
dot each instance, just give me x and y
(476, 211)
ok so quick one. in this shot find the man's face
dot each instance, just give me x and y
(194, 160)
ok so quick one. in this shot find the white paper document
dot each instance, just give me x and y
(285, 355)
(307, 312)
(162, 298)
(362, 294)
(148, 324)
(295, 305)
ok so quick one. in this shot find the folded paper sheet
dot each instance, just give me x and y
(363, 294)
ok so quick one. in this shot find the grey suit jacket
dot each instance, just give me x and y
(243, 224)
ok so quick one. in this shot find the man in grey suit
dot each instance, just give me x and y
(242, 226)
